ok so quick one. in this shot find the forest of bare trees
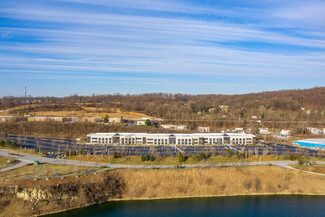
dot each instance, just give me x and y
(287, 105)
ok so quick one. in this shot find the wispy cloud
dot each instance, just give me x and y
(161, 39)
(311, 13)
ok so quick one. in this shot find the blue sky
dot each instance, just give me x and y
(63, 47)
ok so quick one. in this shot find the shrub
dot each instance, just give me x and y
(301, 161)
(240, 156)
(148, 122)
(201, 156)
(148, 158)
(293, 157)
(228, 153)
(106, 119)
(195, 157)
(2, 143)
(14, 144)
(182, 158)
(116, 155)
(8, 143)
(152, 158)
(144, 157)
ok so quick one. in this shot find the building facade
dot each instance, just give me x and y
(285, 132)
(264, 131)
(170, 139)
(173, 126)
(7, 118)
(316, 131)
(204, 129)
(43, 119)
(91, 120)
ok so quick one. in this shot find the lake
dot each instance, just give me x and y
(245, 206)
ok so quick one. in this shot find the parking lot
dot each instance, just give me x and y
(56, 146)
(213, 149)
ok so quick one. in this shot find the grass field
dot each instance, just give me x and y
(4, 162)
(22, 150)
(45, 170)
(55, 169)
(311, 168)
(87, 113)
(28, 171)
(219, 181)
(84, 112)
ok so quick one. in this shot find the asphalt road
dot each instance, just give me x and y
(20, 164)
(26, 158)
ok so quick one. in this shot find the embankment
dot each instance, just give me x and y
(23, 198)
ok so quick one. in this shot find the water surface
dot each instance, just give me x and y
(243, 206)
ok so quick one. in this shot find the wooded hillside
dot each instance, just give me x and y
(287, 105)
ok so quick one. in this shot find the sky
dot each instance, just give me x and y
(65, 47)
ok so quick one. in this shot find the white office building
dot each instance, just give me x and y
(170, 139)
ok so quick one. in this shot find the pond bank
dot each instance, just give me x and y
(46, 196)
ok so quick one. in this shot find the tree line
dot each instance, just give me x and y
(275, 106)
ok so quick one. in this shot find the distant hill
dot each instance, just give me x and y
(286, 105)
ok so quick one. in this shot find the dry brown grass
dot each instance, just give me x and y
(46, 170)
(315, 168)
(28, 171)
(218, 181)
(23, 150)
(52, 169)
(89, 113)
(84, 112)
(4, 162)
(155, 184)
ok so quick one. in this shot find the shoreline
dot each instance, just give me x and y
(185, 197)
(141, 185)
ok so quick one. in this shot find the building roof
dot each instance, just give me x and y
(313, 141)
(175, 134)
